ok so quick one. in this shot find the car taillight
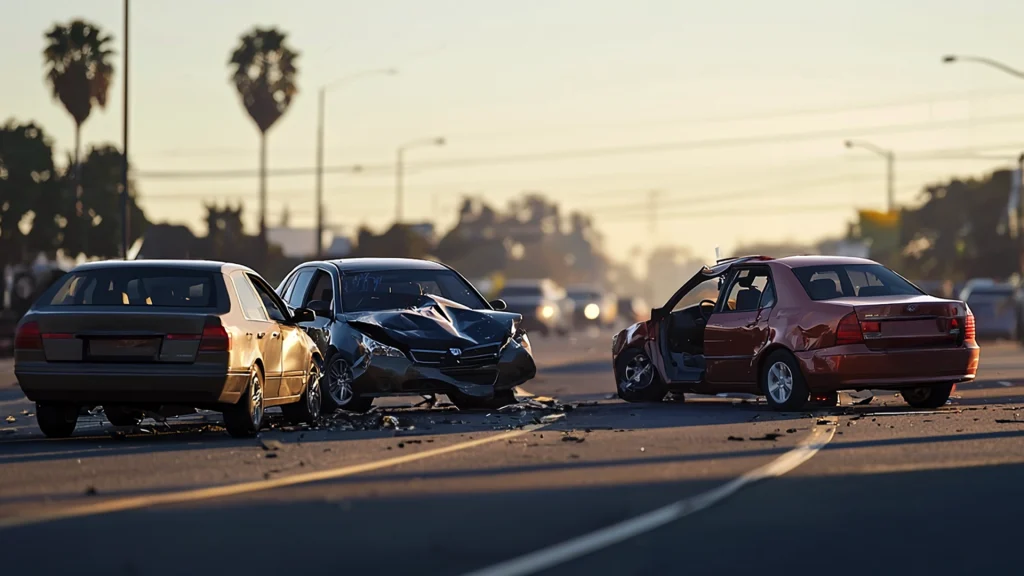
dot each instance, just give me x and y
(215, 339)
(848, 331)
(969, 329)
(28, 337)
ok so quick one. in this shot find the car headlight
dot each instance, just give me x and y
(547, 311)
(375, 348)
(592, 311)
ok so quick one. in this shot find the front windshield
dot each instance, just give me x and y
(400, 289)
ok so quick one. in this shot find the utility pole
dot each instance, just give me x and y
(320, 173)
(399, 183)
(124, 145)
(1020, 215)
(652, 215)
(890, 162)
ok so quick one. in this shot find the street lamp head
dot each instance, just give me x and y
(391, 71)
(848, 143)
(948, 59)
(439, 142)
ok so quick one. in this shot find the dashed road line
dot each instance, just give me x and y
(616, 533)
(179, 497)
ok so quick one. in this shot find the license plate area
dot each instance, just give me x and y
(126, 349)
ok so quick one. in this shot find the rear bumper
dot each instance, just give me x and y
(129, 383)
(385, 376)
(855, 367)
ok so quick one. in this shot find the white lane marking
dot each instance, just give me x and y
(616, 533)
(1005, 384)
(135, 502)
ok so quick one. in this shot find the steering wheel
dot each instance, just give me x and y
(701, 308)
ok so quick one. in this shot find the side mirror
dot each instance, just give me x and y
(499, 304)
(303, 315)
(321, 308)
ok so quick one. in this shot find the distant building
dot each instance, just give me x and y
(301, 242)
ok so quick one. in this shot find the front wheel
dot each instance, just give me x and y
(307, 409)
(927, 396)
(57, 420)
(636, 378)
(783, 383)
(339, 389)
(245, 418)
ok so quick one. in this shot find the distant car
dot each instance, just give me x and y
(632, 310)
(165, 337)
(798, 327)
(994, 309)
(544, 305)
(592, 306)
(393, 326)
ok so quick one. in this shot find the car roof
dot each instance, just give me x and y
(802, 261)
(381, 264)
(207, 265)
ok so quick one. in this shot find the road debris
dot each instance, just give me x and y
(735, 439)
(572, 438)
(551, 418)
(11, 419)
(1005, 421)
(270, 455)
(823, 422)
(642, 449)
(791, 431)
(271, 445)
(90, 491)
(389, 422)
(771, 436)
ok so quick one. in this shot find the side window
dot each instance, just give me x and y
(297, 291)
(323, 289)
(251, 307)
(269, 302)
(706, 290)
(746, 290)
(284, 290)
(768, 297)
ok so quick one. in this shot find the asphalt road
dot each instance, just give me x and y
(711, 486)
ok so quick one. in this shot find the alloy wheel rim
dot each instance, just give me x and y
(780, 382)
(339, 382)
(638, 373)
(313, 393)
(256, 401)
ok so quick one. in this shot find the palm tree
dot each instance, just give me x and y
(77, 59)
(263, 70)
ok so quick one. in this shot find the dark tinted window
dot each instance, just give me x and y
(853, 281)
(398, 289)
(519, 291)
(137, 286)
(269, 301)
(297, 292)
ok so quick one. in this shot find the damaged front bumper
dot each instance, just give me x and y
(478, 375)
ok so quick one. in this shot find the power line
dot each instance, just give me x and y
(602, 152)
(690, 214)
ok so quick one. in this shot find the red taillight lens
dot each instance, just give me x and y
(969, 329)
(27, 337)
(215, 339)
(871, 327)
(848, 331)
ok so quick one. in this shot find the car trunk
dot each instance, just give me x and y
(901, 322)
(137, 337)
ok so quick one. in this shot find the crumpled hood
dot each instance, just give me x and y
(437, 325)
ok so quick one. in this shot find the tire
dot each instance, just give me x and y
(245, 418)
(927, 396)
(57, 420)
(501, 398)
(121, 416)
(307, 409)
(636, 379)
(337, 393)
(783, 383)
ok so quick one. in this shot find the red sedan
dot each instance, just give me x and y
(798, 328)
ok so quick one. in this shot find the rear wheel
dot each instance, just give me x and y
(927, 396)
(121, 416)
(307, 409)
(782, 382)
(57, 420)
(636, 378)
(339, 391)
(501, 398)
(245, 418)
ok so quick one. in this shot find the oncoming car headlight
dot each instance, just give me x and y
(378, 349)
(546, 311)
(592, 311)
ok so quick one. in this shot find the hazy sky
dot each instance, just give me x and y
(684, 97)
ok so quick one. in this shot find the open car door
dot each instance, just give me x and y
(678, 332)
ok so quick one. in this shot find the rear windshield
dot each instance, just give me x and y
(136, 287)
(853, 281)
(518, 291)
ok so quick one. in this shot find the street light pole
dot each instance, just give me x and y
(952, 58)
(890, 167)
(400, 171)
(124, 144)
(321, 104)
